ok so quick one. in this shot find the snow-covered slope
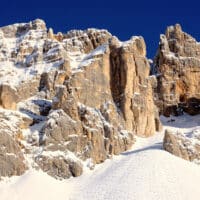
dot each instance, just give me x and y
(145, 172)
(33, 185)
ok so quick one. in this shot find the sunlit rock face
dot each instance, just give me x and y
(178, 67)
(80, 97)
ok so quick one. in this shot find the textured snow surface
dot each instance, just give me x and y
(145, 172)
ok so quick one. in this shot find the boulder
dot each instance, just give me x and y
(184, 145)
(59, 167)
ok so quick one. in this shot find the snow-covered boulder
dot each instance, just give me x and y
(184, 145)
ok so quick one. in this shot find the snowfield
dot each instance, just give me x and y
(145, 172)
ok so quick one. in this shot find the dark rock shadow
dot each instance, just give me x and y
(118, 79)
(190, 106)
(44, 106)
(36, 118)
(183, 121)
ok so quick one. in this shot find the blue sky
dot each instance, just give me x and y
(122, 18)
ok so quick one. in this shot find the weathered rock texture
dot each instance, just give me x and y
(178, 66)
(131, 85)
(12, 160)
(82, 96)
(186, 146)
(59, 167)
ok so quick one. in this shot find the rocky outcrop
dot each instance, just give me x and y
(131, 86)
(12, 159)
(85, 41)
(105, 101)
(12, 162)
(82, 95)
(59, 167)
(186, 146)
(178, 67)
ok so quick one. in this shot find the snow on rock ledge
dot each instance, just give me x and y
(184, 145)
(84, 93)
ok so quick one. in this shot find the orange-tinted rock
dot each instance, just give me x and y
(178, 66)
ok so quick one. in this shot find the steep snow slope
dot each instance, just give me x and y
(145, 172)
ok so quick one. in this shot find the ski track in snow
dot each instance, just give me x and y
(145, 172)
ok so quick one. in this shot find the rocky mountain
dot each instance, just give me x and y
(178, 67)
(72, 100)
(178, 74)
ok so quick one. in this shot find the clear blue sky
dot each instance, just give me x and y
(122, 18)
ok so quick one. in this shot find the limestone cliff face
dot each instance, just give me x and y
(178, 67)
(81, 95)
(131, 86)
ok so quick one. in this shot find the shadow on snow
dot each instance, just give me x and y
(155, 146)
